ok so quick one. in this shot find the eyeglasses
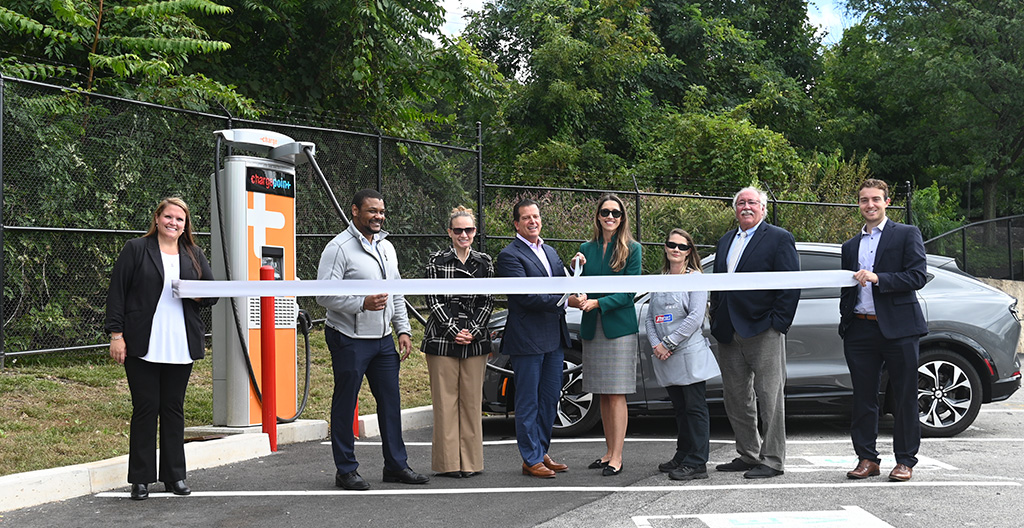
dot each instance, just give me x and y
(752, 203)
(682, 246)
(614, 213)
(460, 230)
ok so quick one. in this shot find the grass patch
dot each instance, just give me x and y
(59, 411)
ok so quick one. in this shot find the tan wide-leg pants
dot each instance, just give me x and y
(456, 388)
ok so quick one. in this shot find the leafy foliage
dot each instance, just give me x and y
(375, 59)
(121, 48)
(932, 88)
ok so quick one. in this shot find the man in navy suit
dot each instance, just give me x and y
(881, 324)
(535, 334)
(751, 327)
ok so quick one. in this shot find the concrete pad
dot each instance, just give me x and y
(289, 433)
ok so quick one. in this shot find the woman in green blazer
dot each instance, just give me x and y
(609, 326)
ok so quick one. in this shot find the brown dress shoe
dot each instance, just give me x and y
(538, 470)
(554, 466)
(865, 469)
(901, 473)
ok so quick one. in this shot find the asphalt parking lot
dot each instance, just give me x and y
(975, 479)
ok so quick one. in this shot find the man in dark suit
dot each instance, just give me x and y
(751, 327)
(881, 324)
(534, 337)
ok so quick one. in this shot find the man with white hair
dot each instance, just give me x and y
(751, 327)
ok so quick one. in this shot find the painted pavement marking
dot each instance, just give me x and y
(668, 487)
(848, 517)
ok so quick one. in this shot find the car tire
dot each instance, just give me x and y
(578, 411)
(949, 393)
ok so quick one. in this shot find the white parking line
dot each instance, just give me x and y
(848, 517)
(567, 489)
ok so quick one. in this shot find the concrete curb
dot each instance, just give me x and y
(33, 488)
(238, 444)
(23, 490)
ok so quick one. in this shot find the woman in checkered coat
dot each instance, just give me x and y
(456, 344)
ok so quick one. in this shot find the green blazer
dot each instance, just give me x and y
(618, 316)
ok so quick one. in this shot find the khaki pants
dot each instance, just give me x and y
(456, 388)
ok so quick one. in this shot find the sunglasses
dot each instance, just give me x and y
(681, 246)
(614, 213)
(460, 230)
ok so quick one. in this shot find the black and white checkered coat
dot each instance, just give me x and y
(451, 313)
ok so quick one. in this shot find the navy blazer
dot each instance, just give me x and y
(135, 287)
(536, 324)
(748, 313)
(901, 268)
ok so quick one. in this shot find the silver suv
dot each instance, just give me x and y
(968, 357)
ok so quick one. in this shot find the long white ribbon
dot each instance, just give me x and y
(775, 280)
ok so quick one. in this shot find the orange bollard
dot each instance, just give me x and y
(267, 361)
(355, 421)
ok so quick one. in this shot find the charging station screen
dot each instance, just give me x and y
(269, 182)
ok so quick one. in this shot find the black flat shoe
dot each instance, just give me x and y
(610, 471)
(177, 488)
(597, 464)
(468, 474)
(451, 474)
(140, 492)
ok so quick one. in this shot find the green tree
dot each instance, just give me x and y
(118, 47)
(374, 59)
(719, 151)
(759, 56)
(579, 106)
(943, 81)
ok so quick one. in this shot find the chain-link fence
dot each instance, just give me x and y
(81, 174)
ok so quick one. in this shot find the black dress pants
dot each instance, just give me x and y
(868, 352)
(158, 391)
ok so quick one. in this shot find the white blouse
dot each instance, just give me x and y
(168, 342)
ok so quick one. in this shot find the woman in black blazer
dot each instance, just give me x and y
(156, 337)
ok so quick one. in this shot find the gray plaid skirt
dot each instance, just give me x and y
(609, 365)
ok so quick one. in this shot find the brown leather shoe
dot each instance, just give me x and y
(866, 468)
(538, 470)
(554, 466)
(901, 473)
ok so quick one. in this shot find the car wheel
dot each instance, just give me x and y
(948, 393)
(578, 411)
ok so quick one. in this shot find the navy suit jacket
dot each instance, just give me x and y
(901, 269)
(748, 313)
(536, 324)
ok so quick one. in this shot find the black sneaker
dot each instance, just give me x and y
(689, 473)
(666, 467)
(736, 465)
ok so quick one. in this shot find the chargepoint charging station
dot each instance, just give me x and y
(253, 221)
